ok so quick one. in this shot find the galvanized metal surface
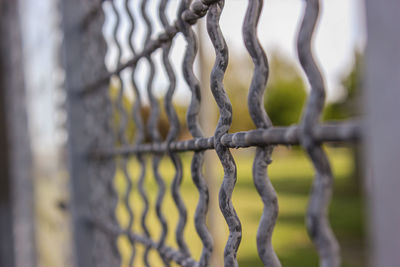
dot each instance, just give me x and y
(17, 236)
(261, 120)
(322, 133)
(382, 131)
(96, 159)
(89, 127)
(192, 119)
(224, 123)
(317, 220)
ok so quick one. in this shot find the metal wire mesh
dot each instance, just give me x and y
(310, 134)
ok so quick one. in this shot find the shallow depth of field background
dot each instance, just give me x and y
(291, 175)
(338, 48)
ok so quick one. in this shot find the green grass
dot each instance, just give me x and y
(291, 174)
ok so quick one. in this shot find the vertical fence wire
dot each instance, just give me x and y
(172, 135)
(139, 139)
(192, 119)
(139, 136)
(224, 123)
(317, 213)
(119, 133)
(261, 120)
(122, 138)
(152, 126)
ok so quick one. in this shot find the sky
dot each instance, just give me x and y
(339, 33)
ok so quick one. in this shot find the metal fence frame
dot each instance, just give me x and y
(91, 145)
(17, 242)
(382, 130)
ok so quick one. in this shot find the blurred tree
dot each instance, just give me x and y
(348, 105)
(163, 123)
(237, 82)
(285, 95)
(284, 98)
(127, 106)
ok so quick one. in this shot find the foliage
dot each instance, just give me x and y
(284, 98)
(127, 103)
(291, 174)
(285, 94)
(237, 82)
(348, 105)
(284, 101)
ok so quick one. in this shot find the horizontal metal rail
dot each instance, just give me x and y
(329, 132)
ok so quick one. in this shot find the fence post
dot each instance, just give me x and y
(17, 246)
(383, 130)
(87, 119)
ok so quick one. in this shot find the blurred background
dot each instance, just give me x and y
(338, 45)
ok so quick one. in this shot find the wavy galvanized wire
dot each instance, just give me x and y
(122, 138)
(224, 123)
(145, 200)
(172, 135)
(261, 120)
(192, 119)
(110, 185)
(309, 133)
(139, 138)
(317, 212)
(152, 126)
